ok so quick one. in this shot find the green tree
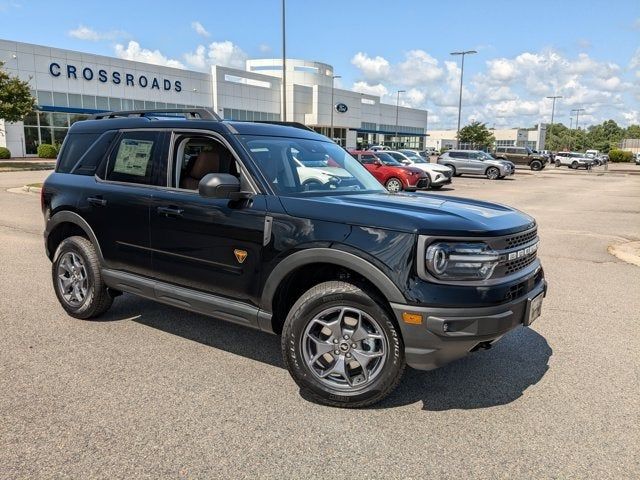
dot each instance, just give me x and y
(476, 134)
(633, 131)
(15, 97)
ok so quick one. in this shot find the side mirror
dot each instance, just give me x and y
(406, 162)
(218, 185)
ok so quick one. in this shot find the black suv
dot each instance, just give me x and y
(212, 216)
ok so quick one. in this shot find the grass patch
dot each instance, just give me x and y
(25, 166)
(35, 185)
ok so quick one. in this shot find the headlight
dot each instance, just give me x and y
(461, 261)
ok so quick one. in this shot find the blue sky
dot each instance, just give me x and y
(589, 52)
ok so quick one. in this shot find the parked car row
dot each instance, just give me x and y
(405, 170)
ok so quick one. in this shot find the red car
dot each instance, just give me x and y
(391, 173)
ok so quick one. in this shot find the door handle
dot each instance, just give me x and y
(170, 211)
(97, 201)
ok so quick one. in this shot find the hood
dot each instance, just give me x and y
(415, 213)
(434, 167)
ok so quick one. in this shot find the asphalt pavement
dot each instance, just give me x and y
(150, 391)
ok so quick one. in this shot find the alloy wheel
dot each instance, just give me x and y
(394, 185)
(344, 348)
(73, 280)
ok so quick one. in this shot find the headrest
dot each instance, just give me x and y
(206, 162)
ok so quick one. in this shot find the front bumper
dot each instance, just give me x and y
(447, 334)
(443, 180)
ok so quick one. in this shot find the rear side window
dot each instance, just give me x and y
(132, 158)
(75, 146)
(92, 159)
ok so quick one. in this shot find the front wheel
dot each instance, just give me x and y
(574, 165)
(558, 163)
(536, 165)
(342, 347)
(393, 185)
(492, 173)
(77, 279)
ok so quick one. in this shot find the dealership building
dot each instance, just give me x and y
(70, 85)
(533, 138)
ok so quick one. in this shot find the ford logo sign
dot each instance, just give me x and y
(341, 108)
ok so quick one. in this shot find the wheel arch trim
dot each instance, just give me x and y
(332, 256)
(67, 216)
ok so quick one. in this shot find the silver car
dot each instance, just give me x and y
(476, 162)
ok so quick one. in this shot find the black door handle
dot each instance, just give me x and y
(97, 201)
(170, 211)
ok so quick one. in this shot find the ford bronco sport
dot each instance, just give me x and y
(210, 216)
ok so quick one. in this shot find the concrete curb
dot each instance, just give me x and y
(29, 189)
(627, 252)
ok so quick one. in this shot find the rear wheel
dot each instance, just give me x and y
(393, 184)
(342, 347)
(492, 173)
(574, 165)
(77, 280)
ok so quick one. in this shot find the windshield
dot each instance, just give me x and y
(387, 159)
(485, 156)
(285, 164)
(415, 158)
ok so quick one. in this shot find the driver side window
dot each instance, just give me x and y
(196, 156)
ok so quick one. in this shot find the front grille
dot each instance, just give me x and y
(448, 173)
(521, 239)
(517, 265)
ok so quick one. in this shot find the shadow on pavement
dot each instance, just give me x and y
(480, 380)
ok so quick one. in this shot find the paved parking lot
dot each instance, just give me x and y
(152, 392)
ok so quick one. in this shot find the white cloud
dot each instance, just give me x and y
(264, 48)
(134, 52)
(635, 59)
(363, 87)
(86, 33)
(632, 117)
(225, 54)
(199, 29)
(376, 68)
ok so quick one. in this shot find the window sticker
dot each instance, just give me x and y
(133, 157)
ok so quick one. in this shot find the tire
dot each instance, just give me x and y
(394, 185)
(492, 173)
(77, 280)
(428, 184)
(574, 165)
(453, 170)
(558, 163)
(331, 378)
(436, 187)
(536, 165)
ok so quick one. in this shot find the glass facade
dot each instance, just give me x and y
(249, 115)
(50, 125)
(339, 134)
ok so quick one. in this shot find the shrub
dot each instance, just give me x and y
(4, 153)
(47, 151)
(616, 155)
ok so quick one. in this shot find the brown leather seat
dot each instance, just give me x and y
(206, 162)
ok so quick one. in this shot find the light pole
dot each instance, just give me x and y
(397, 111)
(571, 121)
(553, 106)
(463, 53)
(284, 65)
(577, 110)
(332, 105)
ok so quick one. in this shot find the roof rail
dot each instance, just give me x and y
(299, 125)
(199, 113)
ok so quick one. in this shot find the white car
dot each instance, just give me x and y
(375, 148)
(439, 175)
(574, 160)
(319, 176)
